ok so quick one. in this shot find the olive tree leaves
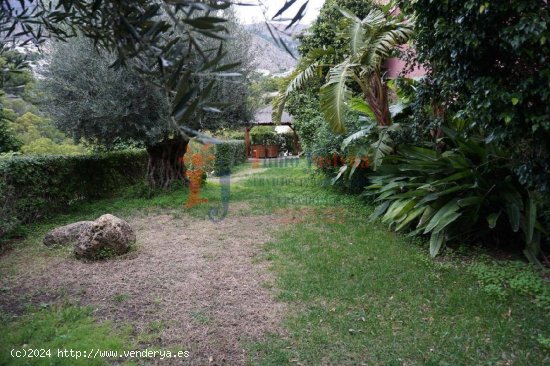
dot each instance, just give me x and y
(165, 40)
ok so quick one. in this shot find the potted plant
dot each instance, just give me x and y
(258, 137)
(272, 142)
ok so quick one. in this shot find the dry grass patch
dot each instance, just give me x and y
(193, 284)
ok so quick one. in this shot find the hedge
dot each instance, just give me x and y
(36, 187)
(228, 154)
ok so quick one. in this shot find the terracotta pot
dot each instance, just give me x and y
(272, 151)
(257, 151)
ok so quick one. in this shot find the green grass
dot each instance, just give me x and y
(361, 294)
(59, 328)
(357, 293)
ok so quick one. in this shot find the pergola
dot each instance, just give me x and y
(263, 117)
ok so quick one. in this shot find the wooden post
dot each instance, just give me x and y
(247, 141)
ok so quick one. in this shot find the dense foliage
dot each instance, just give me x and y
(33, 188)
(484, 178)
(90, 100)
(264, 135)
(369, 43)
(161, 38)
(14, 71)
(466, 192)
(170, 43)
(490, 70)
(24, 127)
(232, 95)
(8, 141)
(303, 105)
(324, 31)
(228, 154)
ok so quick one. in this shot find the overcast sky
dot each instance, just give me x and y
(253, 14)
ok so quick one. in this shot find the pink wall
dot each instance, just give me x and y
(395, 66)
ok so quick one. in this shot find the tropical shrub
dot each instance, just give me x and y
(332, 156)
(372, 141)
(465, 192)
(323, 32)
(36, 187)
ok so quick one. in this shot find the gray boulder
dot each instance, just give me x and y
(106, 237)
(66, 235)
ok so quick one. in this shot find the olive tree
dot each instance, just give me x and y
(90, 100)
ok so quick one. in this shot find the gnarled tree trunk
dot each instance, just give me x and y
(166, 164)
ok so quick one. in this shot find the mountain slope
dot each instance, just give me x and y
(268, 54)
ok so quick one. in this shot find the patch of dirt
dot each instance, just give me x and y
(197, 282)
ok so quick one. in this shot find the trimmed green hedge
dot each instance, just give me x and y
(36, 187)
(228, 154)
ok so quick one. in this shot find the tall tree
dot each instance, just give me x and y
(106, 105)
(161, 38)
(89, 99)
(231, 94)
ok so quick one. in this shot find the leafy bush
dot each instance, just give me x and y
(226, 134)
(228, 154)
(35, 135)
(8, 140)
(45, 146)
(33, 188)
(307, 117)
(263, 135)
(489, 62)
(327, 146)
(287, 141)
(464, 192)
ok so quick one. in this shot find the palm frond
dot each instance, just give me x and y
(381, 148)
(365, 131)
(354, 31)
(359, 105)
(304, 72)
(374, 19)
(297, 79)
(380, 39)
(335, 94)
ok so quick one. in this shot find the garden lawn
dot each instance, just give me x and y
(352, 292)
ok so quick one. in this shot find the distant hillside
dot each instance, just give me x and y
(269, 55)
